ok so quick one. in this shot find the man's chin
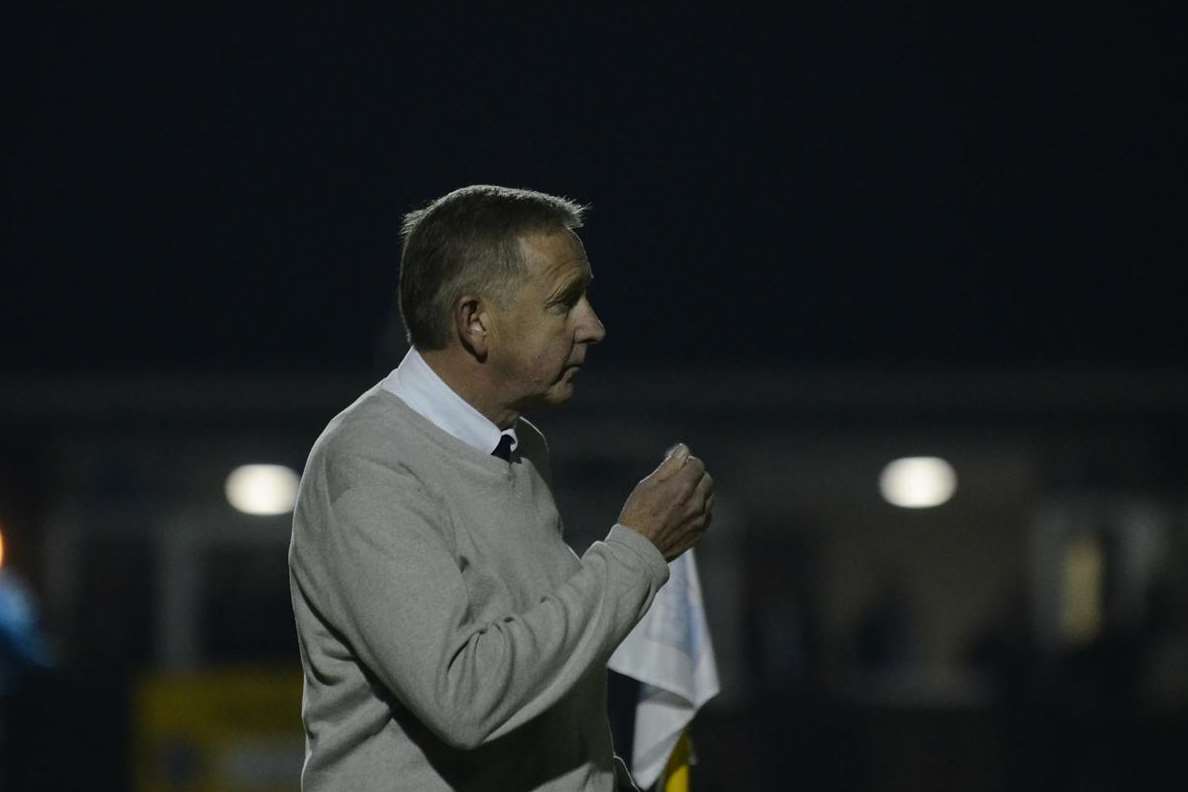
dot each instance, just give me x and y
(557, 395)
(562, 393)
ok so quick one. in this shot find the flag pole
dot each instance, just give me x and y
(675, 777)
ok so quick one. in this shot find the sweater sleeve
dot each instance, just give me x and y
(398, 597)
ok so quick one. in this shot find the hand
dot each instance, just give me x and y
(673, 506)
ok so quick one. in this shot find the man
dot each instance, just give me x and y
(450, 638)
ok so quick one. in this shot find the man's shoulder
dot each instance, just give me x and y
(373, 426)
(367, 418)
(377, 441)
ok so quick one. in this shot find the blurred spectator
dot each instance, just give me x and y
(21, 646)
(22, 653)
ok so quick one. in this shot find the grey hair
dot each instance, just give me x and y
(467, 242)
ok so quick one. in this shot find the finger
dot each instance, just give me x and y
(699, 524)
(694, 469)
(679, 550)
(704, 491)
(679, 448)
(690, 484)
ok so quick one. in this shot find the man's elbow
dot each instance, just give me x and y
(467, 707)
(462, 734)
(459, 726)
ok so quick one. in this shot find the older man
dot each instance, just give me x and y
(450, 638)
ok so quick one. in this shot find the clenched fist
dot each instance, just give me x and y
(674, 505)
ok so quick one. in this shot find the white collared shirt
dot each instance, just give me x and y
(420, 388)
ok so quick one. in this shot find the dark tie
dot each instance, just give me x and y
(503, 450)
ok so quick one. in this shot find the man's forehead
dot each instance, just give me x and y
(556, 256)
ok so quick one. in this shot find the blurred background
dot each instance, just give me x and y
(909, 277)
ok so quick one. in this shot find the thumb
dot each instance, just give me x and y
(675, 459)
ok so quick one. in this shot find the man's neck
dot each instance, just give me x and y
(470, 381)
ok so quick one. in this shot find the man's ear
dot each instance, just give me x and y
(472, 323)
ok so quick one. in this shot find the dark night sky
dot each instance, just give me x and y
(868, 184)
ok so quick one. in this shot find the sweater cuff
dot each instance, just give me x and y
(641, 546)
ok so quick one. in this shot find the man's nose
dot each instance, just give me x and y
(591, 330)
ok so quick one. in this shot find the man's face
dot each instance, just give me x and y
(542, 334)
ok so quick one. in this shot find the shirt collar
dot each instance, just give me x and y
(418, 386)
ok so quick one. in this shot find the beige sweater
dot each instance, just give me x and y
(451, 640)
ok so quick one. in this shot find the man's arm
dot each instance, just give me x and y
(388, 581)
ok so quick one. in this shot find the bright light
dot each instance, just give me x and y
(1, 548)
(262, 489)
(918, 482)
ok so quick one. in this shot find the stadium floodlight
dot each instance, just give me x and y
(262, 489)
(918, 482)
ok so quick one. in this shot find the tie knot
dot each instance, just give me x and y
(504, 449)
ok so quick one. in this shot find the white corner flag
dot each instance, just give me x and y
(671, 654)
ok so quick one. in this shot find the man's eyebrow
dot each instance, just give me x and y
(573, 287)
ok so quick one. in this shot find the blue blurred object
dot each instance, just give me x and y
(22, 647)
